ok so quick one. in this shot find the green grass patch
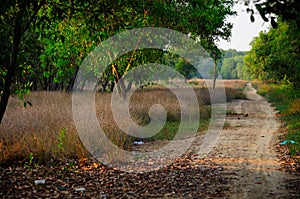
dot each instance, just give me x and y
(170, 129)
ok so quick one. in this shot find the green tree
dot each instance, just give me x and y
(241, 73)
(231, 66)
(54, 36)
(275, 55)
(185, 68)
(255, 58)
(232, 53)
(16, 18)
(20, 29)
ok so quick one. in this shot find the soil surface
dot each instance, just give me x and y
(248, 151)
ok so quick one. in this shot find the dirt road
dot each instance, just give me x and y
(247, 149)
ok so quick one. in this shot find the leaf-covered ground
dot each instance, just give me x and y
(181, 179)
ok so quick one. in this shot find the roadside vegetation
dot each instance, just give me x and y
(46, 132)
(286, 99)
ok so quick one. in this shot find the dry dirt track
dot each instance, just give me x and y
(247, 149)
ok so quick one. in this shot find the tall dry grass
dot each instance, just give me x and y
(47, 129)
(37, 129)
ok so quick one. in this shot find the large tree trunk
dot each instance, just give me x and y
(12, 67)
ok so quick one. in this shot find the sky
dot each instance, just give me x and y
(243, 29)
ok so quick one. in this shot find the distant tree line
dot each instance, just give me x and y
(231, 64)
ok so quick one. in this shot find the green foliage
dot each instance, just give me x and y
(231, 64)
(30, 157)
(44, 42)
(275, 55)
(30, 164)
(61, 34)
(61, 139)
(232, 53)
(286, 99)
(231, 67)
(61, 142)
(182, 66)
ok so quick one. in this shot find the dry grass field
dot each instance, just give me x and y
(46, 131)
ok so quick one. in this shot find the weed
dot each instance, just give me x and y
(61, 138)
(59, 148)
(30, 163)
(30, 157)
(294, 107)
(294, 149)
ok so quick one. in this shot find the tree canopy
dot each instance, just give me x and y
(44, 42)
(275, 54)
(231, 64)
(269, 10)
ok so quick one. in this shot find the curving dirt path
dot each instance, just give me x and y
(246, 151)
(247, 148)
